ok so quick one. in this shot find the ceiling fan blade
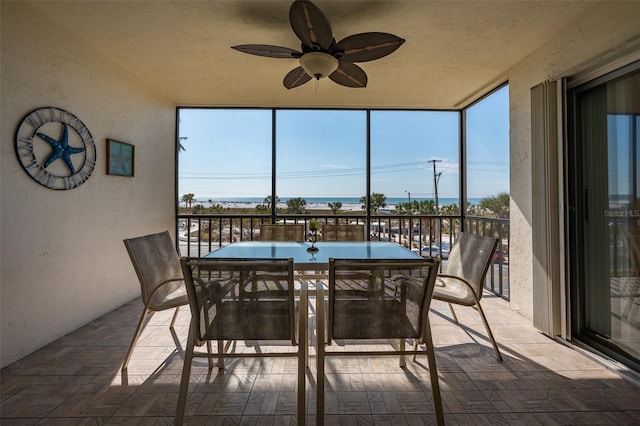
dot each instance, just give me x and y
(310, 25)
(296, 77)
(349, 75)
(267, 50)
(368, 46)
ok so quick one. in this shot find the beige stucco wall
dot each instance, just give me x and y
(62, 258)
(602, 29)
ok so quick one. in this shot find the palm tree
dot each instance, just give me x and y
(296, 205)
(451, 210)
(268, 201)
(498, 205)
(188, 199)
(377, 201)
(475, 210)
(217, 209)
(180, 145)
(335, 207)
(403, 208)
(425, 207)
(415, 206)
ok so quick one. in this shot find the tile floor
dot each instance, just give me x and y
(76, 380)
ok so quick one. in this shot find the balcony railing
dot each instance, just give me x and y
(429, 235)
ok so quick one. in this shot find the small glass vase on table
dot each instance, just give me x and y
(313, 228)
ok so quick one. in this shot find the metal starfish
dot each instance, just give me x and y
(61, 149)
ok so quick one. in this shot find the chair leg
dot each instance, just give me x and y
(302, 391)
(302, 356)
(221, 350)
(175, 315)
(453, 314)
(486, 326)
(210, 353)
(320, 336)
(184, 381)
(433, 374)
(135, 338)
(320, 386)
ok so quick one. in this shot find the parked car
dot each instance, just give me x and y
(499, 257)
(434, 251)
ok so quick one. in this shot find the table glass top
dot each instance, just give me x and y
(326, 250)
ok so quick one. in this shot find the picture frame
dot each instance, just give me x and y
(120, 158)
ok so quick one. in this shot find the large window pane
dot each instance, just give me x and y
(320, 159)
(226, 158)
(487, 125)
(404, 146)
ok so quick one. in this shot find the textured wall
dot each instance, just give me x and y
(63, 262)
(601, 30)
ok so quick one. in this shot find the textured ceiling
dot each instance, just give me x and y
(181, 49)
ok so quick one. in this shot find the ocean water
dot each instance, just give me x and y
(346, 201)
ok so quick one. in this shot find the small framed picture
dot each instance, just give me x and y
(120, 158)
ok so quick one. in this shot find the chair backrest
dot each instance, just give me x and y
(156, 262)
(470, 258)
(379, 299)
(275, 232)
(334, 232)
(232, 299)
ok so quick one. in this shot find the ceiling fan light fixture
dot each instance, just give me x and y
(318, 64)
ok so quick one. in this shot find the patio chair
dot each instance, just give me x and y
(463, 282)
(244, 299)
(336, 232)
(275, 232)
(395, 308)
(157, 265)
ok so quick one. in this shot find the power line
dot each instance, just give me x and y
(353, 171)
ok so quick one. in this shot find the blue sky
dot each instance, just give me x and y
(322, 153)
(620, 128)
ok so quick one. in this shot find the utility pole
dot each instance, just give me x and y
(436, 179)
(409, 231)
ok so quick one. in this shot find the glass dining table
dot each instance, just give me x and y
(304, 260)
(312, 266)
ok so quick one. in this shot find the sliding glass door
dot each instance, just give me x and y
(605, 213)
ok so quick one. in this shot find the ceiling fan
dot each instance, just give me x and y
(321, 56)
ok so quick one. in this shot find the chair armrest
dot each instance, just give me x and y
(163, 283)
(405, 278)
(455, 277)
(212, 291)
